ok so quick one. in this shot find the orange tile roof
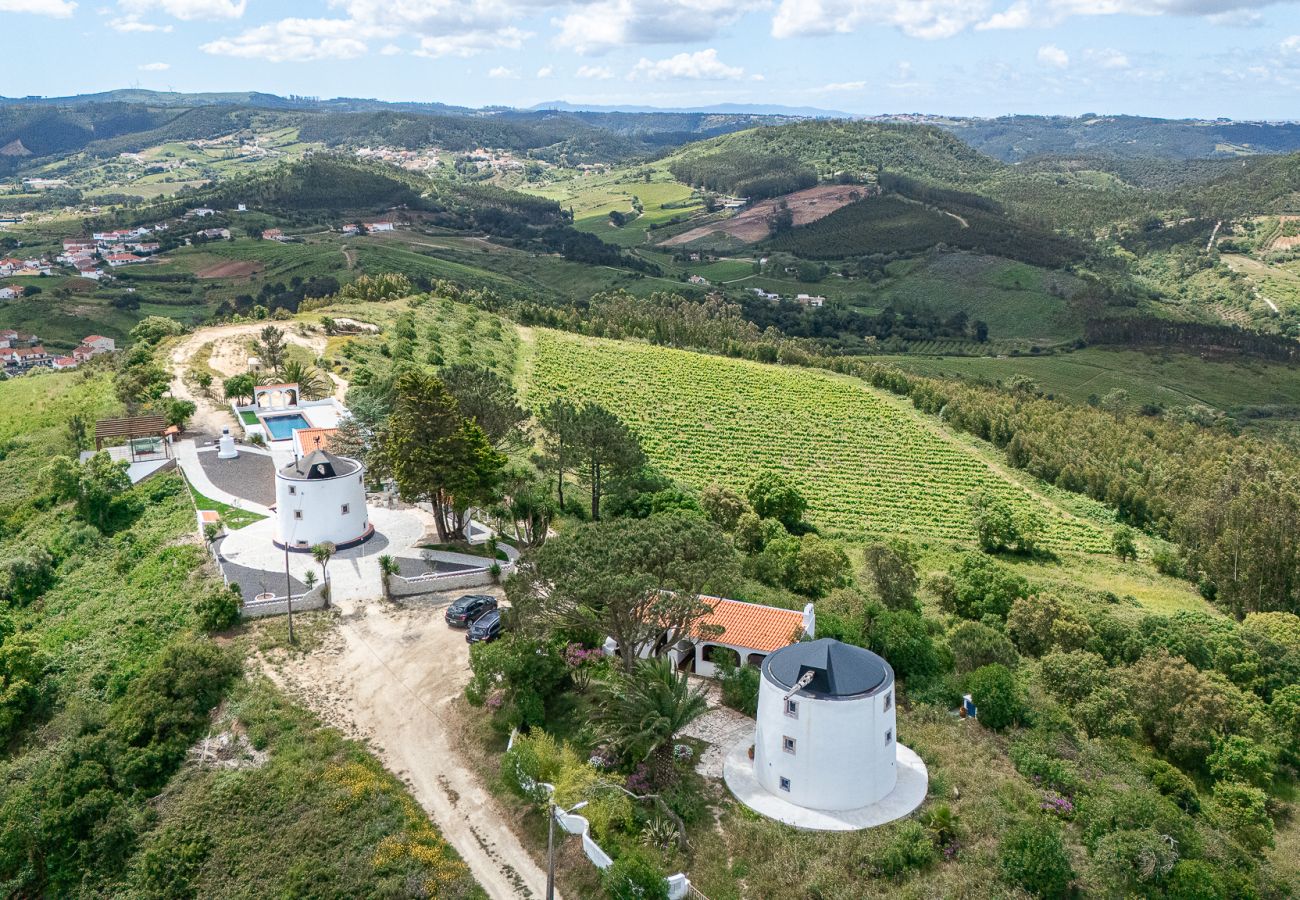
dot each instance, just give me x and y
(307, 438)
(751, 625)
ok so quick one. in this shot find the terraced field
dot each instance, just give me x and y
(864, 463)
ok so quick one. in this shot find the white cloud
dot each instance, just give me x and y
(839, 86)
(390, 50)
(294, 40)
(1052, 55)
(188, 10)
(502, 72)
(57, 9)
(699, 66)
(944, 18)
(1108, 58)
(546, 71)
(928, 19)
(129, 24)
(154, 67)
(595, 27)
(1290, 44)
(472, 42)
(598, 73)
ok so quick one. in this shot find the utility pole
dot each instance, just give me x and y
(550, 851)
(288, 590)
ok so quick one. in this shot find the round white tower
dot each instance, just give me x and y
(826, 734)
(321, 497)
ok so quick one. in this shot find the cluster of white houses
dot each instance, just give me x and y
(22, 353)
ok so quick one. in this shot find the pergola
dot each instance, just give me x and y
(144, 436)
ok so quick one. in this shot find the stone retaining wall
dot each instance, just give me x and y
(452, 581)
(279, 606)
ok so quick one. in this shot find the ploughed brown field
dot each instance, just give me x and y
(751, 224)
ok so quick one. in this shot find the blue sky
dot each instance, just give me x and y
(1204, 58)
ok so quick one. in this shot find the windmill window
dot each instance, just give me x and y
(889, 701)
(792, 708)
(297, 513)
(785, 785)
(889, 737)
(345, 508)
(787, 744)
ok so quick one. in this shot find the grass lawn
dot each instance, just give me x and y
(232, 517)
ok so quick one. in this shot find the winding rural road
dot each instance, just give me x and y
(387, 675)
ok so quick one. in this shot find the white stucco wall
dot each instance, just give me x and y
(841, 759)
(321, 503)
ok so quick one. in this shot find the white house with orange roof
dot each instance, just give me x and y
(733, 630)
(99, 344)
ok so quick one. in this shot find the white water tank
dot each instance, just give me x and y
(826, 736)
(226, 445)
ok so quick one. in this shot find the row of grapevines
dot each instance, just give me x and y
(864, 464)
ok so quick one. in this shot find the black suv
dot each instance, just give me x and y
(466, 609)
(486, 627)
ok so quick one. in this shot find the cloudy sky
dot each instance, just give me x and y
(1206, 58)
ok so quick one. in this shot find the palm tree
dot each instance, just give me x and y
(388, 567)
(312, 383)
(321, 553)
(640, 714)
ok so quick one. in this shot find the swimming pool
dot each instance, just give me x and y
(283, 427)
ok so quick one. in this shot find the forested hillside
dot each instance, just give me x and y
(1014, 138)
(857, 150)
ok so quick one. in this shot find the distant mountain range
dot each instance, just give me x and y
(35, 129)
(743, 109)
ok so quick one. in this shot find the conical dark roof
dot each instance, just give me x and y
(839, 670)
(320, 464)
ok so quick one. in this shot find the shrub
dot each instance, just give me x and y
(1195, 879)
(634, 877)
(1172, 783)
(1238, 758)
(911, 847)
(1070, 677)
(901, 637)
(774, 498)
(1133, 861)
(974, 644)
(980, 587)
(1182, 712)
(996, 695)
(892, 567)
(1242, 810)
(217, 610)
(1042, 622)
(739, 686)
(1124, 543)
(1031, 856)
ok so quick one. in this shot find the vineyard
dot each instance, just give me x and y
(864, 464)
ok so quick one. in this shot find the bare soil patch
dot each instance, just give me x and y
(390, 675)
(231, 268)
(751, 224)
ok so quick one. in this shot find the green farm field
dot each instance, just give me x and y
(1170, 379)
(865, 464)
(593, 197)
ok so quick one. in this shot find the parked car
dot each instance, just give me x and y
(486, 627)
(464, 610)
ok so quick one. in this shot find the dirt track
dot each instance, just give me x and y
(387, 676)
(229, 357)
(751, 224)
